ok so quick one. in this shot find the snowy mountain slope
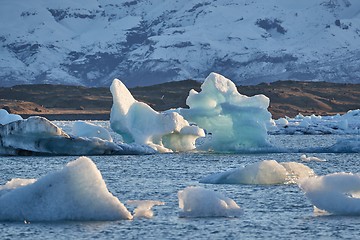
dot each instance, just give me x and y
(90, 42)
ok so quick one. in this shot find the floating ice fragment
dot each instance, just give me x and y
(6, 117)
(137, 122)
(308, 159)
(201, 202)
(77, 192)
(264, 172)
(348, 123)
(89, 130)
(337, 193)
(144, 207)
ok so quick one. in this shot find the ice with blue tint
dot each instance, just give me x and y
(264, 172)
(6, 117)
(37, 136)
(337, 193)
(233, 122)
(137, 122)
(198, 202)
(76, 192)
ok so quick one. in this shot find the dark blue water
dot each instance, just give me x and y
(270, 212)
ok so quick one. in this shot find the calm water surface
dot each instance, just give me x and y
(270, 212)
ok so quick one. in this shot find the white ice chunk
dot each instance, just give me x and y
(234, 121)
(77, 192)
(90, 130)
(337, 193)
(348, 123)
(201, 202)
(6, 117)
(144, 207)
(137, 122)
(264, 172)
(310, 158)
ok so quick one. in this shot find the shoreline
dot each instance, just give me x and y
(71, 117)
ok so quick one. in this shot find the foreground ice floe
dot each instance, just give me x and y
(201, 202)
(137, 122)
(337, 193)
(235, 122)
(264, 172)
(6, 117)
(37, 135)
(348, 123)
(77, 192)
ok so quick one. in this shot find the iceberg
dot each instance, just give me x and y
(233, 122)
(38, 136)
(266, 172)
(6, 117)
(89, 130)
(137, 122)
(337, 193)
(76, 192)
(200, 202)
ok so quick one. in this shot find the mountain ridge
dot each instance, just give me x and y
(148, 42)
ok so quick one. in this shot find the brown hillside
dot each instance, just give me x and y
(287, 98)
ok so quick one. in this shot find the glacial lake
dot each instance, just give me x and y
(269, 212)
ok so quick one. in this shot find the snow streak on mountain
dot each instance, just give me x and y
(143, 42)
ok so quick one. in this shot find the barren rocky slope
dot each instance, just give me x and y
(287, 98)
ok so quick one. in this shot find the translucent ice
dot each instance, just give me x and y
(234, 121)
(201, 202)
(76, 192)
(337, 193)
(137, 122)
(264, 172)
(6, 118)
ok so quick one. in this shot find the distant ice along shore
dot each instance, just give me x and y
(219, 119)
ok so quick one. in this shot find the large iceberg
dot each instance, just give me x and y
(38, 136)
(201, 202)
(264, 172)
(77, 192)
(137, 122)
(337, 193)
(233, 122)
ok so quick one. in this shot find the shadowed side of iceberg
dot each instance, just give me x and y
(38, 136)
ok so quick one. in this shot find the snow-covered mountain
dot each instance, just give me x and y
(143, 42)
